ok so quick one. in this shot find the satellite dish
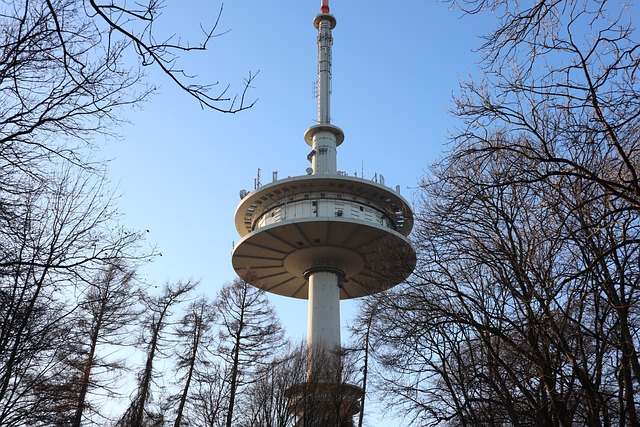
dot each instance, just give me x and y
(309, 171)
(243, 193)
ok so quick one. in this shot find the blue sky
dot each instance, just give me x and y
(179, 168)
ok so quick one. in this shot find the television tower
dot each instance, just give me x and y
(323, 236)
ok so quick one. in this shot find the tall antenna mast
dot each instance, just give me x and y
(324, 237)
(324, 22)
(324, 137)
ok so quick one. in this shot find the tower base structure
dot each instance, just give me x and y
(321, 404)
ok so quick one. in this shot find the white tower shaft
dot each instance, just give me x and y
(323, 333)
(324, 160)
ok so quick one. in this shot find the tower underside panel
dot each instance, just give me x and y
(373, 258)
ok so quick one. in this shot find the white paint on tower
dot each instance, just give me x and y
(324, 236)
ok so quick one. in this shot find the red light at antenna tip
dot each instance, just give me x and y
(324, 8)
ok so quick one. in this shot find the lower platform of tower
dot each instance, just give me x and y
(320, 404)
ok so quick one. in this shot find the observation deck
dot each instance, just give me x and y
(291, 225)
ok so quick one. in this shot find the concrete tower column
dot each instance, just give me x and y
(324, 160)
(323, 333)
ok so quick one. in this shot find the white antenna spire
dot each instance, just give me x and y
(324, 137)
(324, 22)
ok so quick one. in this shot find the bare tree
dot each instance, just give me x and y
(105, 314)
(266, 402)
(561, 81)
(503, 324)
(210, 395)
(250, 334)
(54, 240)
(524, 308)
(66, 74)
(327, 396)
(361, 330)
(64, 70)
(158, 316)
(194, 336)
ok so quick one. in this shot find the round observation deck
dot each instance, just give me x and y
(296, 224)
(284, 192)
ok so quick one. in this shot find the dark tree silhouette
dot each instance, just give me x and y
(250, 335)
(158, 316)
(104, 318)
(194, 337)
(524, 307)
(52, 244)
(361, 330)
(65, 76)
(265, 403)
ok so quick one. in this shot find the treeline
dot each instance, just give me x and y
(524, 309)
(84, 342)
(81, 338)
(109, 352)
